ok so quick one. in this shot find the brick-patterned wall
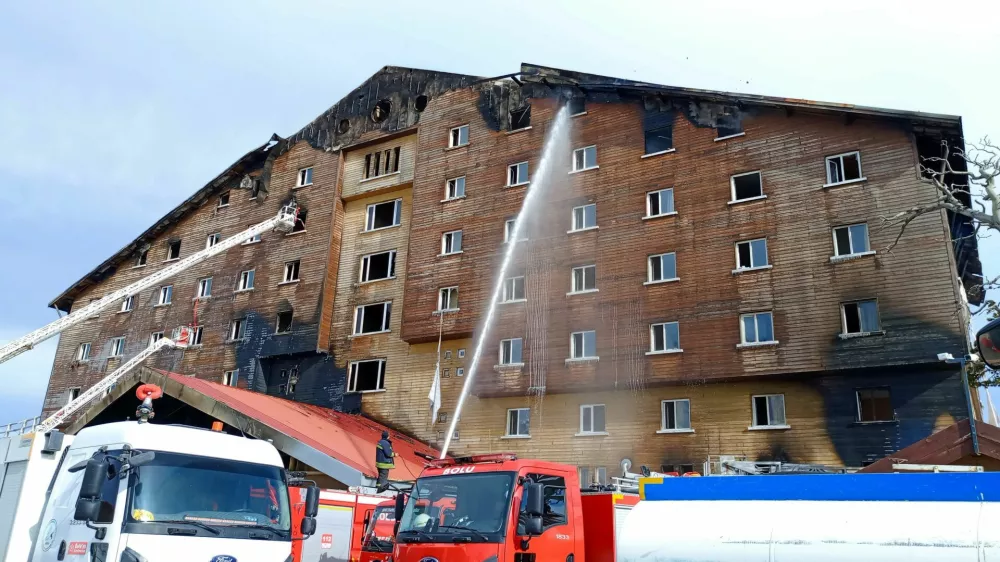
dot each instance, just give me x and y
(260, 305)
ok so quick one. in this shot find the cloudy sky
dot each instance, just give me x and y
(112, 112)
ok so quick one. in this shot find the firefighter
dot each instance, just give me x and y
(384, 461)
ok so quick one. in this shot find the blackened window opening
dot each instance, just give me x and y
(659, 140)
(728, 128)
(520, 118)
(300, 221)
(747, 186)
(367, 376)
(284, 324)
(174, 250)
(577, 105)
(382, 162)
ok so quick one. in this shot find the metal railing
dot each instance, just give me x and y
(19, 427)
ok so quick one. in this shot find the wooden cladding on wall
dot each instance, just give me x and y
(376, 167)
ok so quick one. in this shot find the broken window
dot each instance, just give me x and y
(205, 288)
(455, 188)
(583, 345)
(118, 346)
(174, 250)
(237, 329)
(165, 295)
(659, 203)
(291, 271)
(513, 289)
(577, 105)
(375, 267)
(520, 118)
(223, 199)
(372, 318)
(757, 327)
(83, 352)
(664, 337)
(245, 282)
(746, 186)
(769, 410)
(284, 322)
(675, 415)
(229, 378)
(728, 127)
(875, 405)
(72, 394)
(459, 136)
(517, 174)
(584, 279)
(305, 177)
(751, 254)
(300, 221)
(585, 158)
(451, 242)
(843, 168)
(510, 351)
(381, 111)
(659, 140)
(420, 103)
(196, 334)
(384, 215)
(212, 240)
(381, 162)
(448, 299)
(128, 303)
(519, 422)
(851, 240)
(592, 418)
(584, 217)
(860, 317)
(367, 376)
(662, 267)
(140, 259)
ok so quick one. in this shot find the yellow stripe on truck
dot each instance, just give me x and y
(642, 485)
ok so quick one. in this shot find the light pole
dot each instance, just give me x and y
(961, 361)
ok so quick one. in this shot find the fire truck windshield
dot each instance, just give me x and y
(467, 507)
(378, 535)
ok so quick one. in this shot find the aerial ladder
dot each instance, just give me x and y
(283, 222)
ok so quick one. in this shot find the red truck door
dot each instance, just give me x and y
(556, 543)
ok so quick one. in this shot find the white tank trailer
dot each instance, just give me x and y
(816, 517)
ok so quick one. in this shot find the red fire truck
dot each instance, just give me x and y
(460, 510)
(377, 542)
(343, 525)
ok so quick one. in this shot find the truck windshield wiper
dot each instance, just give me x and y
(278, 532)
(198, 524)
(478, 534)
(422, 534)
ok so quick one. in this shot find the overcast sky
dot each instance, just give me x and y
(111, 113)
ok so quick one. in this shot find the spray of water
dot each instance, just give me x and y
(558, 134)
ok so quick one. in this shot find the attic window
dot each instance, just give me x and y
(728, 128)
(659, 140)
(420, 103)
(174, 250)
(223, 199)
(520, 118)
(300, 221)
(381, 111)
(577, 106)
(140, 259)
(381, 162)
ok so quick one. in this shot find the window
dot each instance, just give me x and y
(155, 337)
(83, 352)
(72, 394)
(255, 238)
(664, 337)
(445, 373)
(442, 417)
(517, 174)
(245, 282)
(757, 328)
(205, 288)
(584, 279)
(229, 378)
(223, 199)
(769, 410)
(140, 259)
(660, 203)
(118, 346)
(461, 353)
(859, 317)
(448, 299)
(746, 186)
(585, 158)
(730, 129)
(166, 295)
(851, 240)
(659, 140)
(455, 188)
(174, 250)
(447, 354)
(128, 303)
(381, 162)
(510, 351)
(196, 334)
(513, 289)
(508, 231)
(305, 177)
(372, 318)
(875, 405)
(451, 242)
(583, 345)
(751, 254)
(592, 419)
(584, 217)
(384, 215)
(459, 136)
(577, 106)
(843, 168)
(662, 267)
(375, 267)
(284, 323)
(519, 422)
(97, 313)
(675, 415)
(300, 221)
(367, 376)
(212, 240)
(593, 476)
(291, 271)
(460, 372)
(520, 118)
(237, 329)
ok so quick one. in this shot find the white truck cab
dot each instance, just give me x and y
(133, 491)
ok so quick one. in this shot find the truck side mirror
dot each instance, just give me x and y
(534, 499)
(88, 502)
(141, 459)
(988, 342)
(308, 527)
(400, 506)
(312, 501)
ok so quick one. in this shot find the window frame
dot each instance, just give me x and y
(448, 239)
(591, 407)
(840, 157)
(292, 271)
(752, 266)
(850, 241)
(83, 351)
(573, 288)
(397, 215)
(359, 318)
(576, 354)
(649, 206)
(649, 269)
(277, 322)
(213, 239)
(508, 230)
(518, 435)
(732, 187)
(245, 282)
(202, 285)
(155, 337)
(583, 150)
(141, 259)
(454, 183)
(862, 331)
(452, 296)
(352, 375)
(165, 295)
(197, 334)
(170, 249)
(663, 417)
(302, 175)
(574, 227)
(455, 141)
(128, 304)
(225, 195)
(663, 327)
(230, 378)
(757, 342)
(237, 329)
(513, 283)
(117, 346)
(857, 396)
(521, 353)
(516, 169)
(365, 267)
(767, 402)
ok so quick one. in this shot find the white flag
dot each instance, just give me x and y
(435, 394)
(992, 419)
